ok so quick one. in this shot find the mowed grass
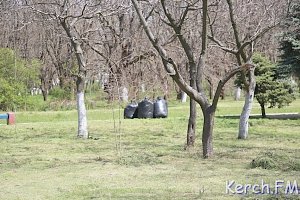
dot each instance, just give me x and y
(41, 158)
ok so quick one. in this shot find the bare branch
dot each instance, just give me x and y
(187, 48)
(202, 59)
(183, 17)
(143, 56)
(144, 23)
(169, 64)
(150, 13)
(107, 59)
(256, 37)
(235, 31)
(222, 46)
(263, 32)
(245, 67)
(52, 15)
(163, 20)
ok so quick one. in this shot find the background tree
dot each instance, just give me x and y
(208, 109)
(71, 17)
(17, 76)
(111, 43)
(249, 22)
(119, 46)
(290, 43)
(270, 90)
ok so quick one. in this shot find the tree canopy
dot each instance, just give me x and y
(290, 44)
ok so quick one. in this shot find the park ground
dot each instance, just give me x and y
(41, 158)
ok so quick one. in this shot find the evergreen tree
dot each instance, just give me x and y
(290, 45)
(270, 90)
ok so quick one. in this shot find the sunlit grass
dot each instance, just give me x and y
(41, 158)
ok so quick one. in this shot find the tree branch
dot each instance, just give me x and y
(187, 48)
(202, 59)
(235, 31)
(143, 56)
(169, 65)
(170, 70)
(222, 46)
(183, 17)
(245, 67)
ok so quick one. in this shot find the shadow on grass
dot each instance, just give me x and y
(283, 116)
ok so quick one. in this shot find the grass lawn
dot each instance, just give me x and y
(41, 158)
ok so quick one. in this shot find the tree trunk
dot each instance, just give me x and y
(222, 95)
(193, 112)
(62, 82)
(80, 85)
(183, 97)
(263, 110)
(244, 118)
(124, 94)
(108, 88)
(196, 93)
(45, 83)
(45, 94)
(237, 93)
(191, 131)
(211, 87)
(82, 118)
(211, 90)
(80, 82)
(207, 133)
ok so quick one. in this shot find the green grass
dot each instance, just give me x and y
(41, 158)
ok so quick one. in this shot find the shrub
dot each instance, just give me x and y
(61, 94)
(10, 97)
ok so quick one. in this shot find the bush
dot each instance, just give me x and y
(61, 94)
(62, 105)
(35, 103)
(16, 77)
(10, 97)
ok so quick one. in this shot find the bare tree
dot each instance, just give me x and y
(208, 109)
(71, 16)
(249, 21)
(107, 36)
(118, 44)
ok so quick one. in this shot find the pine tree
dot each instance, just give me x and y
(290, 45)
(270, 90)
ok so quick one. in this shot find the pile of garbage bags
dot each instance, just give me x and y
(147, 109)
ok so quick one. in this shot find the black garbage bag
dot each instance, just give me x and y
(145, 109)
(131, 111)
(160, 108)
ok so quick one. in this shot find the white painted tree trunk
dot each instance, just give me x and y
(183, 97)
(82, 117)
(143, 88)
(80, 82)
(237, 93)
(244, 118)
(124, 95)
